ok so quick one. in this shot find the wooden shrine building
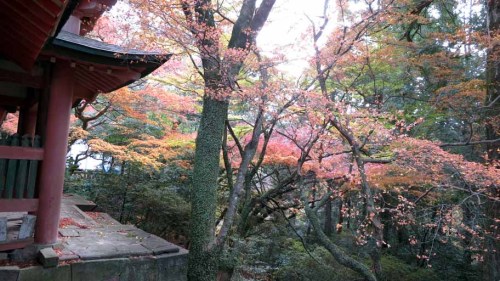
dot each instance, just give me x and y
(47, 67)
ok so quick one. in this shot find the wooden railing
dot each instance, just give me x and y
(19, 161)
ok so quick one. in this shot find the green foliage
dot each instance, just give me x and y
(304, 267)
(242, 130)
(395, 269)
(137, 197)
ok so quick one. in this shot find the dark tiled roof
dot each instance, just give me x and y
(93, 47)
(86, 52)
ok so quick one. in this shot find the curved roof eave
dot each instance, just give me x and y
(89, 50)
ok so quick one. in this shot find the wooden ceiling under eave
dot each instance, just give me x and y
(25, 27)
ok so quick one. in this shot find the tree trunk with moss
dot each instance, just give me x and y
(203, 257)
(219, 74)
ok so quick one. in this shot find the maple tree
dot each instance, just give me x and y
(123, 126)
(363, 140)
(194, 28)
(9, 125)
(340, 121)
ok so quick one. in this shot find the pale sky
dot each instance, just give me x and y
(285, 29)
(287, 21)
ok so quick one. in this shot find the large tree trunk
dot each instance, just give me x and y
(203, 258)
(328, 218)
(219, 75)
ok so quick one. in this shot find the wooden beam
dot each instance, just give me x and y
(21, 153)
(123, 75)
(37, 36)
(39, 11)
(15, 244)
(17, 22)
(18, 205)
(11, 101)
(3, 114)
(82, 92)
(21, 12)
(21, 78)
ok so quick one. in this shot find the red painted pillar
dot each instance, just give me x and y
(3, 113)
(27, 120)
(21, 120)
(29, 124)
(51, 178)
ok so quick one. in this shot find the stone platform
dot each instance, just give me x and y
(93, 246)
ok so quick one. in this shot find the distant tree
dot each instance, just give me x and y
(492, 80)
(492, 271)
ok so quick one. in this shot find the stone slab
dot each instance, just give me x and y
(152, 242)
(79, 201)
(38, 273)
(102, 243)
(114, 242)
(69, 232)
(3, 229)
(26, 254)
(65, 254)
(9, 273)
(77, 216)
(167, 267)
(102, 249)
(100, 270)
(48, 257)
(4, 256)
(173, 267)
(165, 250)
(27, 227)
(142, 269)
(112, 251)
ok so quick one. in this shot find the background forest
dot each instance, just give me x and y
(366, 147)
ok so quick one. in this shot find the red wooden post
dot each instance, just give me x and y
(29, 124)
(3, 113)
(20, 121)
(27, 120)
(54, 161)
